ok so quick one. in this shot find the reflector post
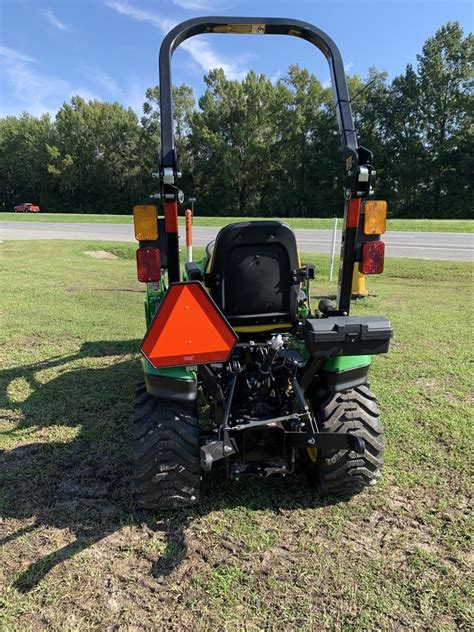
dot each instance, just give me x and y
(145, 221)
(188, 329)
(353, 211)
(373, 253)
(375, 217)
(148, 265)
(189, 234)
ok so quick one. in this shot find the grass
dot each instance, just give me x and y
(413, 225)
(255, 554)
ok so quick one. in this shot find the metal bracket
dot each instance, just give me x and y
(325, 441)
(215, 451)
(168, 176)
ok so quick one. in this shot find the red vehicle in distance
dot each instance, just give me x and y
(26, 207)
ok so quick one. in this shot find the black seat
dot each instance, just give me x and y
(253, 273)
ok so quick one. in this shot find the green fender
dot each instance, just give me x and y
(344, 372)
(344, 363)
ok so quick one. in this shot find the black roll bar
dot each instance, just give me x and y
(257, 26)
(357, 160)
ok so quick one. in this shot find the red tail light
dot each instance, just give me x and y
(148, 265)
(373, 253)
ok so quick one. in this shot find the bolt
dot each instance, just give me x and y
(227, 448)
(311, 441)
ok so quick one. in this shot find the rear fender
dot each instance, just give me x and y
(344, 372)
(177, 383)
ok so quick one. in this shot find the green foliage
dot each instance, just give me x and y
(93, 158)
(231, 143)
(257, 148)
(23, 158)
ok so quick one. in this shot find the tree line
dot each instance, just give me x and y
(256, 147)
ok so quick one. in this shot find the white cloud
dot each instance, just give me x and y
(348, 66)
(158, 21)
(204, 55)
(195, 5)
(55, 21)
(101, 79)
(37, 93)
(200, 51)
(15, 55)
(33, 91)
(132, 96)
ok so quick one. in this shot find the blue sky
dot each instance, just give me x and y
(107, 49)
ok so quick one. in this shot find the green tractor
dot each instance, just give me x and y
(285, 388)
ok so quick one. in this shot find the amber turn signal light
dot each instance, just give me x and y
(145, 221)
(375, 217)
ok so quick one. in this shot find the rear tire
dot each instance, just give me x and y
(166, 451)
(341, 472)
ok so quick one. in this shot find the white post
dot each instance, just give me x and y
(189, 234)
(333, 248)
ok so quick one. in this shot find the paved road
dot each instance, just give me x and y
(449, 246)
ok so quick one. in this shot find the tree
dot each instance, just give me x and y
(94, 158)
(307, 145)
(404, 149)
(183, 106)
(23, 159)
(254, 147)
(230, 140)
(445, 79)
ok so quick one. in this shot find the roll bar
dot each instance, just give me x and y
(256, 26)
(357, 160)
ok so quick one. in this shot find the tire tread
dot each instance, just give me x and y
(166, 452)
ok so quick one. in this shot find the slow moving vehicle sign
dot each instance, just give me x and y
(188, 329)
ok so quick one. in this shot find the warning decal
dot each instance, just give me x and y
(249, 29)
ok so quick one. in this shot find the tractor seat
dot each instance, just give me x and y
(252, 275)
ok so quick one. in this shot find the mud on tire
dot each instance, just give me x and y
(166, 452)
(345, 473)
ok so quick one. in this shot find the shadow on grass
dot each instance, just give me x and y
(84, 486)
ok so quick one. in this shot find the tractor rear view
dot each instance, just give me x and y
(286, 388)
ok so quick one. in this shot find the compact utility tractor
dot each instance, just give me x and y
(285, 388)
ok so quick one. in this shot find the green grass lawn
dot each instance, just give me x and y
(428, 225)
(256, 554)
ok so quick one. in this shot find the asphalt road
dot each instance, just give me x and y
(448, 246)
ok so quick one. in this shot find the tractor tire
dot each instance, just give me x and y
(166, 451)
(340, 472)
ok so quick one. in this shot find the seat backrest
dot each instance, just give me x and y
(251, 275)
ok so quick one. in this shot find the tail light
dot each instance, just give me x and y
(145, 221)
(148, 265)
(373, 254)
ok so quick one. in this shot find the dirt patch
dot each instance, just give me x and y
(100, 254)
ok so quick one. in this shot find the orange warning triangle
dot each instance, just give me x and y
(188, 329)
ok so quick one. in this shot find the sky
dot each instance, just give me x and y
(51, 50)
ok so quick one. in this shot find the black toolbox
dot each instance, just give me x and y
(347, 335)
